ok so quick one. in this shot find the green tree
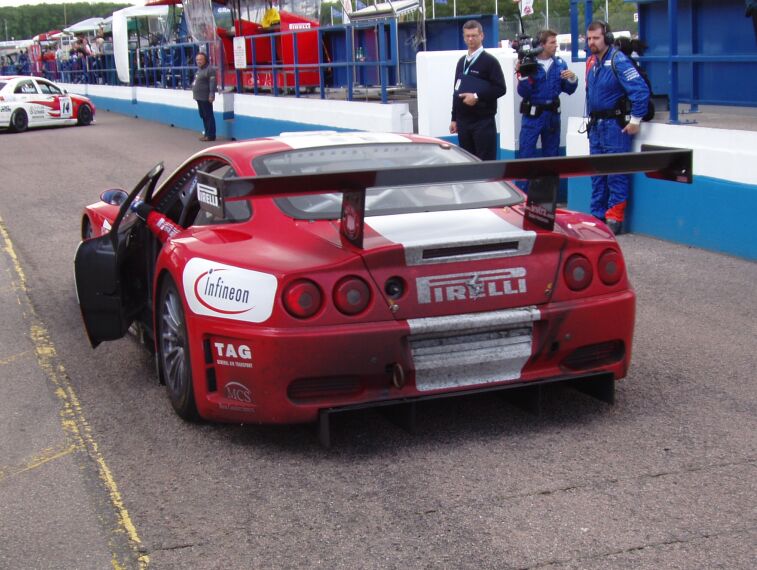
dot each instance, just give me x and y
(25, 22)
(621, 14)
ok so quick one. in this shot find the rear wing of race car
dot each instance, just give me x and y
(543, 174)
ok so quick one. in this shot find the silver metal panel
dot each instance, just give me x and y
(473, 349)
(472, 322)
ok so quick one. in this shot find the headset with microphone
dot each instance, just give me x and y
(608, 35)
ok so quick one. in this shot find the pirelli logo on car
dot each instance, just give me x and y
(210, 199)
(471, 286)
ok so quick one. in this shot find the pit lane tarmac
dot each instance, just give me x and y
(96, 471)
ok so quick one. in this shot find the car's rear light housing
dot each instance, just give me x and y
(309, 389)
(610, 267)
(352, 295)
(302, 298)
(594, 355)
(578, 272)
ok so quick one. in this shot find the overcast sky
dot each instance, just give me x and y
(7, 3)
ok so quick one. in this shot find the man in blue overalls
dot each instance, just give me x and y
(616, 98)
(541, 99)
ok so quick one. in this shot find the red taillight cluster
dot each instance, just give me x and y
(579, 271)
(610, 267)
(303, 298)
(352, 295)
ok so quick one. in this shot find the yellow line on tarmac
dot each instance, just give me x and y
(13, 357)
(72, 418)
(47, 455)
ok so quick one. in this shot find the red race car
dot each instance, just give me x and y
(284, 279)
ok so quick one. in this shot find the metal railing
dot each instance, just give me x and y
(348, 56)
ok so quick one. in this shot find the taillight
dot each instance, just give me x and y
(302, 298)
(352, 295)
(578, 272)
(610, 267)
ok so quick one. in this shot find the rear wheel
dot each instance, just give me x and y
(19, 121)
(84, 117)
(173, 352)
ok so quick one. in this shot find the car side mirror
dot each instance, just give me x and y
(114, 196)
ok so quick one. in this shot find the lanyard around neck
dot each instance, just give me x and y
(469, 62)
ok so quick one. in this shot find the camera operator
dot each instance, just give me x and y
(542, 76)
(617, 99)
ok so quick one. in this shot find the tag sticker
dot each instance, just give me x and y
(457, 85)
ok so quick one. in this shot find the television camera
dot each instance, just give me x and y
(527, 49)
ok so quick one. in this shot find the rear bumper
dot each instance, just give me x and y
(263, 375)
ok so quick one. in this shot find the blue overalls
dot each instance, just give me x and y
(543, 90)
(605, 88)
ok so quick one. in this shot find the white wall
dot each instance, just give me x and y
(718, 153)
(435, 72)
(357, 115)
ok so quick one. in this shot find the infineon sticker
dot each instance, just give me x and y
(227, 292)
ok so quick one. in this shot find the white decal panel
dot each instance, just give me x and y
(66, 108)
(318, 139)
(228, 292)
(417, 232)
(446, 226)
(232, 354)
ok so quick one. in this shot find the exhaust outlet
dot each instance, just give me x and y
(398, 375)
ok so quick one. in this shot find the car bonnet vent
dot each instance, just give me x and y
(452, 236)
(466, 250)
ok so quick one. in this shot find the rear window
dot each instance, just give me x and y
(383, 201)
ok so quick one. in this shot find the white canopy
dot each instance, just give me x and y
(88, 25)
(121, 34)
(384, 9)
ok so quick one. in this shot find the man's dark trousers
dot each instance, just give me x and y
(208, 119)
(478, 137)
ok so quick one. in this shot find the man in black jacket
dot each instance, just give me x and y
(479, 82)
(204, 92)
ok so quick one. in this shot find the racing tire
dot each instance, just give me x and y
(19, 121)
(174, 363)
(84, 116)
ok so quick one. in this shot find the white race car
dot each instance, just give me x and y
(27, 102)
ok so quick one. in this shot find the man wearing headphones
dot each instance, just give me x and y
(616, 100)
(541, 99)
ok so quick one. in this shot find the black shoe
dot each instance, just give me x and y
(615, 226)
(205, 139)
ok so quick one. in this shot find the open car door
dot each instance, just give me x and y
(106, 274)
